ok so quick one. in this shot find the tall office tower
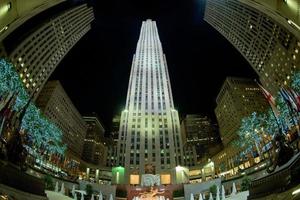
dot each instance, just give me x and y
(14, 13)
(58, 107)
(149, 129)
(36, 57)
(199, 138)
(94, 149)
(238, 98)
(266, 33)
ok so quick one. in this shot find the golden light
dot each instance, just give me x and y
(134, 179)
(165, 179)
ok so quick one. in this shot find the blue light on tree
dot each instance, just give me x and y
(41, 132)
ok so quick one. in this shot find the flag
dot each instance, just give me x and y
(288, 98)
(296, 98)
(270, 99)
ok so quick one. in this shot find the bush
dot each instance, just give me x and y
(213, 190)
(245, 183)
(89, 190)
(178, 193)
(49, 185)
(121, 193)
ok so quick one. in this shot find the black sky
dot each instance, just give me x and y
(96, 71)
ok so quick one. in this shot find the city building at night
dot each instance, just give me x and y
(112, 142)
(15, 13)
(266, 33)
(94, 148)
(236, 71)
(238, 98)
(149, 135)
(200, 139)
(37, 56)
(58, 107)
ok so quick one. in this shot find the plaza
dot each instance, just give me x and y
(149, 101)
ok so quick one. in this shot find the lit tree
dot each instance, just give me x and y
(250, 131)
(286, 117)
(11, 83)
(271, 124)
(295, 84)
(41, 132)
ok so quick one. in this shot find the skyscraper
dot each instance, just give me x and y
(199, 136)
(266, 33)
(238, 98)
(112, 142)
(58, 107)
(149, 129)
(94, 151)
(37, 56)
(15, 13)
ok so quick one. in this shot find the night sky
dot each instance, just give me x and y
(95, 73)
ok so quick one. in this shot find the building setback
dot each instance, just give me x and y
(58, 107)
(37, 56)
(149, 132)
(238, 98)
(266, 33)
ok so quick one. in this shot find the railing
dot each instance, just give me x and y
(278, 181)
(11, 176)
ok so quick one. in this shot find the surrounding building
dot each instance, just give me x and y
(238, 98)
(94, 148)
(112, 142)
(14, 13)
(58, 107)
(37, 56)
(200, 139)
(149, 136)
(266, 33)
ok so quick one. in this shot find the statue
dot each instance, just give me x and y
(153, 194)
(281, 153)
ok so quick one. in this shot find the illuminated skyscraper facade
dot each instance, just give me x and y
(266, 33)
(37, 56)
(149, 128)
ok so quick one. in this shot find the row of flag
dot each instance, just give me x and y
(291, 98)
